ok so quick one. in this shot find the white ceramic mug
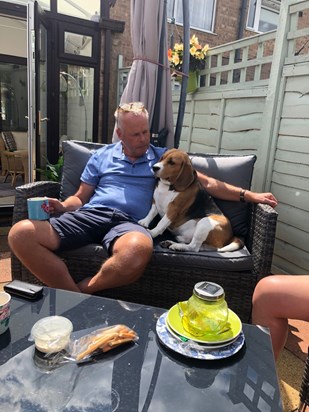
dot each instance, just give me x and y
(5, 303)
(38, 208)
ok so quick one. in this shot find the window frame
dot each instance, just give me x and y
(176, 4)
(257, 14)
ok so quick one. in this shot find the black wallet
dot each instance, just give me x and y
(23, 289)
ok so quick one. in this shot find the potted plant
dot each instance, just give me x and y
(196, 63)
(52, 172)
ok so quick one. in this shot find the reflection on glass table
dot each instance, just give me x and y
(143, 376)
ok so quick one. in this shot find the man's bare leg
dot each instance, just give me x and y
(131, 253)
(33, 242)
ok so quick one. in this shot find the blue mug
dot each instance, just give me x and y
(38, 208)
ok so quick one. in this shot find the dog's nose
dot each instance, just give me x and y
(155, 168)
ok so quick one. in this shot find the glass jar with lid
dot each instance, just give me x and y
(206, 311)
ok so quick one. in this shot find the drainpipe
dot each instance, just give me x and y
(241, 26)
(242, 18)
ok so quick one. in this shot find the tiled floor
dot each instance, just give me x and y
(290, 366)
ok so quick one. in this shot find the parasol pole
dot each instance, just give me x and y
(185, 70)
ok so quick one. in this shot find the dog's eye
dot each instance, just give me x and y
(171, 162)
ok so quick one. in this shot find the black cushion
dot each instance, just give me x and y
(236, 170)
(75, 156)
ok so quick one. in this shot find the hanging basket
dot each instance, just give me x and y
(193, 81)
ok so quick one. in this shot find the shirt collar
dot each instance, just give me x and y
(149, 155)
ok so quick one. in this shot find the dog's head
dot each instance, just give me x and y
(175, 169)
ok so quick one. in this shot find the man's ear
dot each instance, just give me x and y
(118, 131)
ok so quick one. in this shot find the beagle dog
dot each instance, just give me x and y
(186, 209)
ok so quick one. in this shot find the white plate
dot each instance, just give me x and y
(194, 350)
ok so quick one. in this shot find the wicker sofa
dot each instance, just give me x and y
(170, 276)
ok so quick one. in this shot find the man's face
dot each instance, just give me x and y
(134, 133)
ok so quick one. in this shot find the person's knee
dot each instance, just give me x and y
(135, 249)
(265, 288)
(27, 234)
(20, 233)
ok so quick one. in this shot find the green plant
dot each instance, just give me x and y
(52, 172)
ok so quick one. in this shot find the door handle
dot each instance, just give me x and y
(45, 119)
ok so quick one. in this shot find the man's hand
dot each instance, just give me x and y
(55, 206)
(266, 198)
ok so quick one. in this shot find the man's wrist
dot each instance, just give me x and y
(242, 194)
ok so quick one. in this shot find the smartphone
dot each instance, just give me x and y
(24, 289)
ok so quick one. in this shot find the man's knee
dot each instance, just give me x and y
(134, 247)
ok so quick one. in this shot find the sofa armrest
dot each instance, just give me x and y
(36, 189)
(261, 237)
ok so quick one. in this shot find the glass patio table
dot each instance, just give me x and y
(144, 376)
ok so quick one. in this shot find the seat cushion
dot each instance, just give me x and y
(237, 261)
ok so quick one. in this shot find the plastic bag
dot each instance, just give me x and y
(103, 340)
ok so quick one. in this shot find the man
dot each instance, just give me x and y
(115, 192)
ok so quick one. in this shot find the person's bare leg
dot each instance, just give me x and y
(276, 299)
(33, 242)
(131, 253)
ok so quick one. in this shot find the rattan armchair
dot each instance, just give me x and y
(171, 276)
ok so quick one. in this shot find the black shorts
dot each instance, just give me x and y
(96, 225)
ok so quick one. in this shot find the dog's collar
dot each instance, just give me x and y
(172, 186)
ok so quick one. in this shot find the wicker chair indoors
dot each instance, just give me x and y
(171, 276)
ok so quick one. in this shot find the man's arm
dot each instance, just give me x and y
(74, 202)
(225, 191)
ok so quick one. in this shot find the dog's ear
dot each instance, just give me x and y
(186, 176)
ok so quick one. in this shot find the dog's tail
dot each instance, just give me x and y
(235, 244)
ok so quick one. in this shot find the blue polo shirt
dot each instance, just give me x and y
(119, 183)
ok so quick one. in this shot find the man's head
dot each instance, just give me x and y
(132, 128)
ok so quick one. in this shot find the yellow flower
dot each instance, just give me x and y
(193, 50)
(178, 47)
(194, 40)
(176, 59)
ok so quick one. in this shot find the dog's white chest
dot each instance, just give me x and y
(163, 196)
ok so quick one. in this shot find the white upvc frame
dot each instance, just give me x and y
(258, 7)
(177, 5)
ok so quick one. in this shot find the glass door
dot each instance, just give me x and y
(37, 89)
(13, 107)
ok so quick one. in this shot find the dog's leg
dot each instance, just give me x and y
(150, 216)
(163, 224)
(203, 227)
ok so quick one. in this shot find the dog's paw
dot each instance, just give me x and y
(179, 247)
(143, 222)
(166, 243)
